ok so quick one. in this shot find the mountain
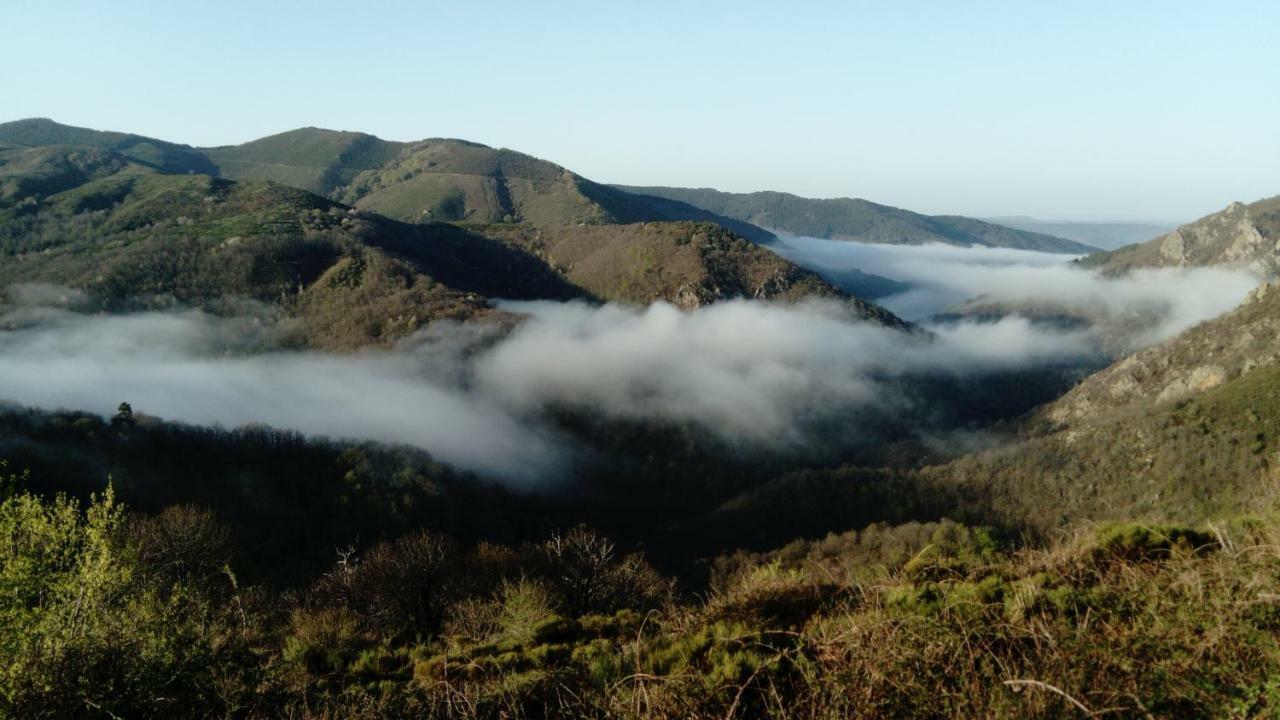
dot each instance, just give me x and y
(686, 264)
(1105, 235)
(446, 179)
(1206, 356)
(859, 220)
(158, 154)
(429, 180)
(133, 237)
(316, 160)
(1238, 236)
(1186, 429)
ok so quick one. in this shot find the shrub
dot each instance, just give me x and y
(1136, 542)
(79, 630)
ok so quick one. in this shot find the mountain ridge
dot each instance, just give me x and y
(427, 180)
(136, 238)
(1239, 235)
(858, 220)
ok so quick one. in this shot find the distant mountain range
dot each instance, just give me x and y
(1104, 235)
(860, 220)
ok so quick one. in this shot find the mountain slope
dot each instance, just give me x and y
(447, 179)
(164, 156)
(1186, 429)
(29, 174)
(859, 220)
(1201, 358)
(430, 180)
(316, 160)
(1238, 235)
(684, 263)
(136, 238)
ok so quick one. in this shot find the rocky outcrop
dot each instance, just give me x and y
(1238, 236)
(1204, 357)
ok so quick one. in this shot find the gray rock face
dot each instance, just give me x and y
(1201, 358)
(1238, 236)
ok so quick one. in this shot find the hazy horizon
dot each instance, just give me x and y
(1152, 112)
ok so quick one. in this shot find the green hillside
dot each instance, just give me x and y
(163, 156)
(133, 237)
(456, 180)
(320, 161)
(450, 599)
(1210, 455)
(686, 264)
(859, 220)
(29, 174)
(1185, 429)
(136, 238)
(429, 180)
(447, 180)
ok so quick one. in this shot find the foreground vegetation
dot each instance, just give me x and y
(109, 614)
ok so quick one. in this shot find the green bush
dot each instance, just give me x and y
(82, 632)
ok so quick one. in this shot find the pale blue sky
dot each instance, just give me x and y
(1082, 110)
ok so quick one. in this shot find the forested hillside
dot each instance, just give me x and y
(136, 238)
(860, 220)
(425, 181)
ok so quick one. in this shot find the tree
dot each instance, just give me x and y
(123, 416)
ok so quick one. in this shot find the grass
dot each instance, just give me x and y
(1125, 620)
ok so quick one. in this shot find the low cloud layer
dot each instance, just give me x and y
(747, 372)
(1166, 301)
(751, 374)
(180, 367)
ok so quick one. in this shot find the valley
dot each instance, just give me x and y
(350, 427)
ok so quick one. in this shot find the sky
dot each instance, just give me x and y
(1144, 111)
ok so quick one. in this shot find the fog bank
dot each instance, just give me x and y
(752, 374)
(746, 372)
(1166, 300)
